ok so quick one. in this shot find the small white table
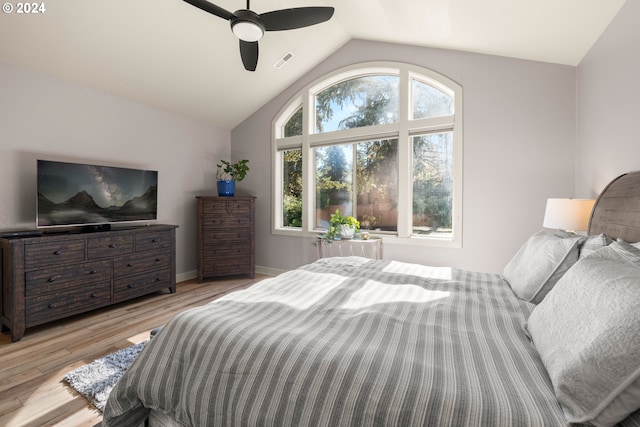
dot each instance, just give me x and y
(371, 248)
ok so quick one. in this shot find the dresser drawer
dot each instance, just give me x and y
(57, 279)
(44, 308)
(153, 241)
(138, 263)
(226, 267)
(212, 222)
(215, 207)
(223, 237)
(228, 207)
(109, 246)
(221, 250)
(141, 284)
(45, 254)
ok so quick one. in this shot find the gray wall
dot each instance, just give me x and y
(42, 117)
(519, 149)
(608, 104)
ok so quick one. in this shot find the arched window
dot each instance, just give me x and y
(381, 142)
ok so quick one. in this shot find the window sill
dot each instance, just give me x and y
(418, 241)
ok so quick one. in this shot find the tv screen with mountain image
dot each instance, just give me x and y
(83, 194)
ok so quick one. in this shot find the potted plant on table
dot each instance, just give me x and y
(341, 226)
(230, 173)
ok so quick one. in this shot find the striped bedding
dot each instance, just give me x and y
(346, 342)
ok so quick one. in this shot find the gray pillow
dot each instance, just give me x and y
(540, 262)
(593, 243)
(635, 245)
(587, 332)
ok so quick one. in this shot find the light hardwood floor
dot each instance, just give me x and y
(31, 370)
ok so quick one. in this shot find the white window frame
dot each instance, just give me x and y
(404, 129)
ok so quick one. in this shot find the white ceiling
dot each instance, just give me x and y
(171, 55)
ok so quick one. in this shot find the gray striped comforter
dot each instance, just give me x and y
(346, 342)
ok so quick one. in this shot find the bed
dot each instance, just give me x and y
(351, 341)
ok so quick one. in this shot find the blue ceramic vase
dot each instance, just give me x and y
(226, 188)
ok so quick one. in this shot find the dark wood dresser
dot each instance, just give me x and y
(49, 277)
(226, 236)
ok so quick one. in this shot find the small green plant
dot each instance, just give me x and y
(335, 223)
(228, 171)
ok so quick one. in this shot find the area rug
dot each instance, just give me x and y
(95, 380)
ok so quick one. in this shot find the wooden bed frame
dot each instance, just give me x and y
(616, 212)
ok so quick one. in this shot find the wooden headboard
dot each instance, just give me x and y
(616, 212)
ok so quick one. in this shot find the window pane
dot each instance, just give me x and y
(377, 185)
(428, 101)
(293, 127)
(359, 102)
(334, 182)
(292, 188)
(433, 184)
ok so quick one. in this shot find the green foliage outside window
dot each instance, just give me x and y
(293, 127)
(358, 102)
(432, 182)
(292, 188)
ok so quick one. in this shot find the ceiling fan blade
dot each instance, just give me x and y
(211, 8)
(289, 19)
(249, 54)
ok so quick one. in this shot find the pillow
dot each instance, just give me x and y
(593, 243)
(635, 245)
(540, 262)
(586, 332)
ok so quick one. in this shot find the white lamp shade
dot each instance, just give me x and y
(568, 214)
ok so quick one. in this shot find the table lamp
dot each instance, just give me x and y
(568, 214)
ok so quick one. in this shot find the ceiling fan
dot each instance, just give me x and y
(249, 26)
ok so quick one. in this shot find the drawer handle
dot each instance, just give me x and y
(93, 295)
(131, 286)
(129, 265)
(154, 240)
(51, 279)
(57, 252)
(112, 245)
(158, 259)
(158, 279)
(93, 272)
(52, 305)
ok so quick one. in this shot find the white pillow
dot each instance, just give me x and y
(587, 332)
(540, 262)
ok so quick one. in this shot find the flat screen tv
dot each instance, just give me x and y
(72, 194)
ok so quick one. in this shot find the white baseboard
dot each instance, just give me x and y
(183, 277)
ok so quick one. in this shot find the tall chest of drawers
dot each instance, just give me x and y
(226, 236)
(49, 277)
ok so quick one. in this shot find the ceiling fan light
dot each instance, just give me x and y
(247, 31)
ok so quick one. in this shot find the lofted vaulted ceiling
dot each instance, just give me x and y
(171, 55)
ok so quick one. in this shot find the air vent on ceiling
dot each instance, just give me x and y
(286, 58)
